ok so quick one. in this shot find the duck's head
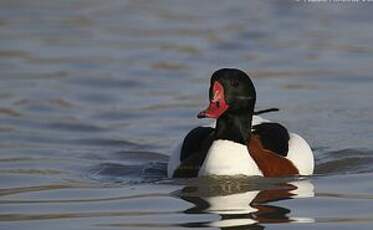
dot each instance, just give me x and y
(231, 91)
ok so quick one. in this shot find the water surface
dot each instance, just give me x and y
(94, 95)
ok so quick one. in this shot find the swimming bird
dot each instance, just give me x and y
(240, 142)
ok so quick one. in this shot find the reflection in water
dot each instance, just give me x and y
(245, 202)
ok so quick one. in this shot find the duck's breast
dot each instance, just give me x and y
(229, 158)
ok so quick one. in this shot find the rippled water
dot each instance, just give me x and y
(94, 94)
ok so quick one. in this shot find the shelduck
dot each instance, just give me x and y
(240, 142)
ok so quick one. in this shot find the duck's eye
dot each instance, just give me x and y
(235, 83)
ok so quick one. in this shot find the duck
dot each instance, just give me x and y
(239, 142)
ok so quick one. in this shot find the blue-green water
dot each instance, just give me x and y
(94, 95)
